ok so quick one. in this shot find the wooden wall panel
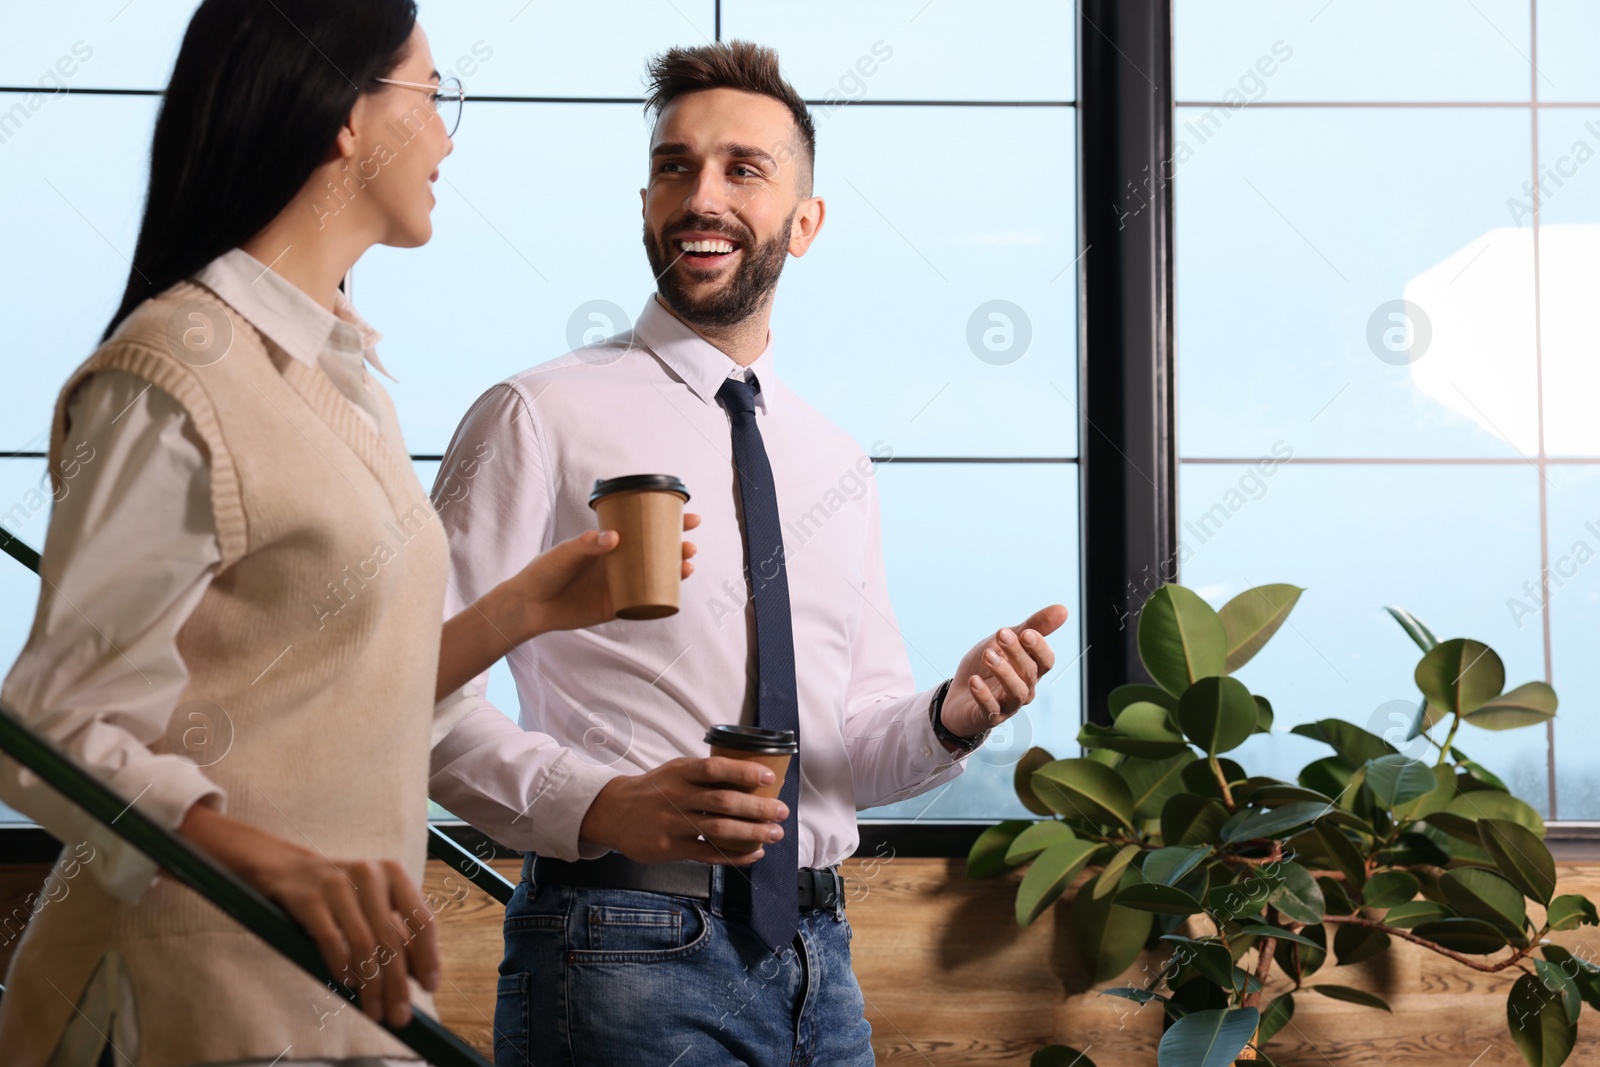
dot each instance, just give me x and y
(949, 979)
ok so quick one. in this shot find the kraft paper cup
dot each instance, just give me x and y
(645, 570)
(774, 748)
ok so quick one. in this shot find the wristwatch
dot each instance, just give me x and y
(963, 745)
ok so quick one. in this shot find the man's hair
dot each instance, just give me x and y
(741, 65)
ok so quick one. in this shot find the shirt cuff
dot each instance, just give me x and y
(573, 785)
(123, 870)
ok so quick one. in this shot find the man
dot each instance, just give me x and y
(631, 939)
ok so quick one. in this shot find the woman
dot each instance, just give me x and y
(240, 621)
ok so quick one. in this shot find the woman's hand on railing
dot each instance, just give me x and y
(366, 916)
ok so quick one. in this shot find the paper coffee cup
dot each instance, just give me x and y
(773, 748)
(646, 569)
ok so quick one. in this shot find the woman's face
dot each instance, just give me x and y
(399, 142)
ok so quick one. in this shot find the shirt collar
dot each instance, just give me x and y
(702, 365)
(282, 311)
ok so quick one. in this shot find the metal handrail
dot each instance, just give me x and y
(440, 845)
(261, 916)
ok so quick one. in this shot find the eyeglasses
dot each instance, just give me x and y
(447, 99)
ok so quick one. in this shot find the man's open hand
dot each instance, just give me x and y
(998, 676)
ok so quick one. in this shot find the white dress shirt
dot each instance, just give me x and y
(627, 696)
(131, 548)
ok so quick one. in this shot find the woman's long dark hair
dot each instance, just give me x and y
(257, 97)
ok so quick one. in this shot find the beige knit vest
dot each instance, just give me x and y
(318, 640)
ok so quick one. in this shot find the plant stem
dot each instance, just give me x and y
(1264, 948)
(1222, 780)
(1488, 968)
(1444, 749)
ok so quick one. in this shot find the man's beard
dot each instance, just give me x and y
(739, 298)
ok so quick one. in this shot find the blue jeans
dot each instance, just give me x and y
(621, 976)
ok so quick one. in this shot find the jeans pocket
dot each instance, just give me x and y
(512, 1000)
(641, 930)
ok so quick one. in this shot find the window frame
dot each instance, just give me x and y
(1126, 456)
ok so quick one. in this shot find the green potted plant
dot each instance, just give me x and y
(1228, 874)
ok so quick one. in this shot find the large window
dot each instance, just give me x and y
(1386, 274)
(936, 318)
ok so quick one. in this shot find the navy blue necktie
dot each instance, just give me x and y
(774, 896)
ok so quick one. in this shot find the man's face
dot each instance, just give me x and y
(723, 209)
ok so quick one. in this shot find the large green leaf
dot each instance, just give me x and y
(1108, 937)
(1487, 804)
(1275, 1017)
(1353, 996)
(1584, 974)
(1212, 1038)
(1274, 822)
(1200, 778)
(1436, 799)
(1397, 780)
(1106, 881)
(1329, 776)
(1169, 865)
(1299, 898)
(1278, 932)
(1413, 628)
(1346, 856)
(987, 857)
(1134, 693)
(1277, 794)
(1521, 857)
(1460, 675)
(1217, 713)
(1141, 729)
(1022, 779)
(1190, 820)
(1539, 1024)
(1570, 911)
(1251, 618)
(1085, 789)
(1181, 639)
(1049, 877)
(1245, 897)
(1153, 782)
(1526, 705)
(1161, 899)
(1353, 744)
(1036, 838)
(1554, 978)
(1263, 714)
(1390, 889)
(1472, 936)
(1209, 956)
(1357, 944)
(1335, 900)
(1301, 961)
(1414, 913)
(1480, 894)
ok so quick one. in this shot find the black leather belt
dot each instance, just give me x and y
(819, 887)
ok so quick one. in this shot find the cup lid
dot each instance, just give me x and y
(629, 483)
(756, 739)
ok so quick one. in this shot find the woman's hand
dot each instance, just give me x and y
(566, 588)
(368, 919)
